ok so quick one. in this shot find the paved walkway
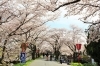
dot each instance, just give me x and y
(42, 62)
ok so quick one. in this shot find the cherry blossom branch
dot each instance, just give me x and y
(62, 5)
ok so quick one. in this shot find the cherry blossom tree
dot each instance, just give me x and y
(74, 37)
(54, 39)
(87, 11)
(21, 19)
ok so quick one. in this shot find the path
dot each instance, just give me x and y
(42, 62)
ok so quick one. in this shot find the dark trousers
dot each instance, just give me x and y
(61, 61)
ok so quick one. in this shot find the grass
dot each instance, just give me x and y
(24, 64)
(85, 64)
(27, 62)
(76, 64)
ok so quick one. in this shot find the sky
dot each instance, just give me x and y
(66, 22)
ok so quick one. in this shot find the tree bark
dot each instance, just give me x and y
(57, 53)
(33, 55)
(33, 49)
(3, 51)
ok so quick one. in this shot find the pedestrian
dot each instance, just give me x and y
(47, 55)
(61, 59)
(51, 57)
(43, 54)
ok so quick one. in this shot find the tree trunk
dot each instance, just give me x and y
(3, 51)
(33, 55)
(57, 54)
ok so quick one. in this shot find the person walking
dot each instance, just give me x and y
(61, 59)
(51, 57)
(47, 56)
(43, 54)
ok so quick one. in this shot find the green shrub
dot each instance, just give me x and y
(93, 49)
(89, 64)
(19, 64)
(76, 64)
